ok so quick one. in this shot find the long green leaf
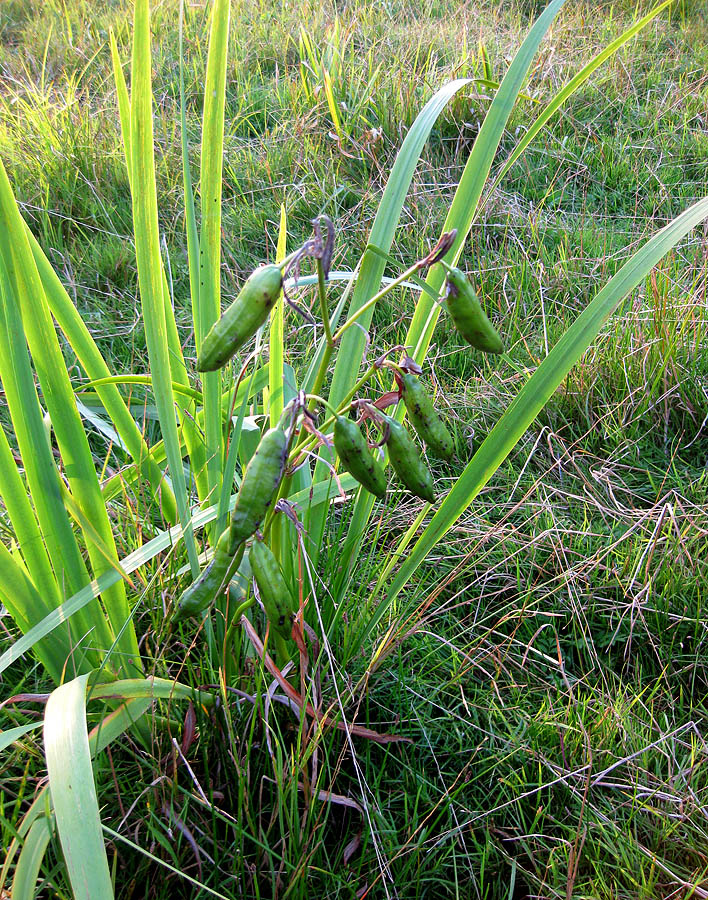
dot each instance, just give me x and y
(193, 441)
(460, 217)
(73, 444)
(24, 522)
(24, 884)
(382, 234)
(474, 176)
(146, 380)
(73, 791)
(11, 735)
(190, 218)
(538, 389)
(70, 572)
(109, 728)
(275, 382)
(372, 266)
(123, 107)
(150, 275)
(209, 304)
(89, 356)
(149, 688)
(28, 607)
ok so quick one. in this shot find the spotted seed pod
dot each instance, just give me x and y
(467, 314)
(260, 484)
(423, 416)
(407, 462)
(275, 596)
(356, 458)
(242, 319)
(213, 578)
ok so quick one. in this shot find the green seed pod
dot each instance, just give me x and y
(242, 319)
(356, 457)
(214, 578)
(260, 483)
(426, 420)
(407, 462)
(468, 316)
(275, 596)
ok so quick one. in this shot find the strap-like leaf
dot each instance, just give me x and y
(150, 274)
(24, 884)
(78, 464)
(372, 266)
(474, 176)
(209, 306)
(88, 354)
(74, 799)
(534, 395)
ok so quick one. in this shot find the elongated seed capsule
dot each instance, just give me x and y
(407, 462)
(275, 596)
(242, 319)
(423, 416)
(467, 314)
(356, 457)
(260, 483)
(212, 579)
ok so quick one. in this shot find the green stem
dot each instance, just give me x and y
(327, 355)
(233, 625)
(375, 299)
(318, 399)
(321, 372)
(285, 262)
(282, 654)
(324, 312)
(305, 444)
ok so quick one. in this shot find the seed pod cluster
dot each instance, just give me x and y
(260, 484)
(274, 593)
(423, 416)
(242, 319)
(213, 578)
(356, 458)
(467, 314)
(407, 462)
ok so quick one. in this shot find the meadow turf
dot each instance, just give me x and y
(550, 661)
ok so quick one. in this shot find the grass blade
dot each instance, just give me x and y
(572, 86)
(11, 735)
(24, 883)
(381, 236)
(190, 216)
(150, 274)
(88, 354)
(66, 747)
(277, 325)
(28, 607)
(40, 333)
(193, 440)
(24, 523)
(209, 302)
(460, 217)
(372, 264)
(40, 471)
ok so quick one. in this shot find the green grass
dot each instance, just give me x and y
(549, 664)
